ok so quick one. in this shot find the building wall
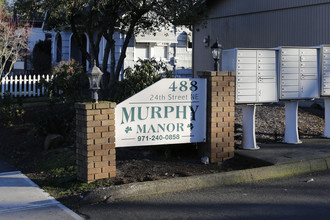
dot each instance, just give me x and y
(174, 51)
(261, 24)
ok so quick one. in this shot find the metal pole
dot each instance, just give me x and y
(96, 96)
(216, 66)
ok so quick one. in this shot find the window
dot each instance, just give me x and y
(142, 51)
(190, 44)
(184, 40)
(161, 52)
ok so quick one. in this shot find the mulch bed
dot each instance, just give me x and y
(21, 147)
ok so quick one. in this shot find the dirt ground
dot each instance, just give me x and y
(55, 170)
(21, 147)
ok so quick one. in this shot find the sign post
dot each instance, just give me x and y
(171, 111)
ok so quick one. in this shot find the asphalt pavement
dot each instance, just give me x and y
(303, 197)
(287, 160)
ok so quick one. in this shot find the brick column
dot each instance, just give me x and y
(95, 141)
(220, 125)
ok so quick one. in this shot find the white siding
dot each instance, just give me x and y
(262, 24)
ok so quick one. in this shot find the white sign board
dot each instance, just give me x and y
(170, 111)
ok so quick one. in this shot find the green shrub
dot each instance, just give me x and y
(144, 74)
(68, 85)
(11, 110)
(42, 57)
(69, 82)
(57, 119)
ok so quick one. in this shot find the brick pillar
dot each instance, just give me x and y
(220, 125)
(95, 141)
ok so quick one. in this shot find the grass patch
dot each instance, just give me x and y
(56, 173)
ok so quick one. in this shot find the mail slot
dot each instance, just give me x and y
(290, 58)
(289, 64)
(308, 58)
(246, 73)
(325, 70)
(256, 79)
(247, 53)
(266, 53)
(267, 66)
(290, 52)
(308, 51)
(290, 88)
(289, 82)
(271, 73)
(289, 70)
(247, 92)
(246, 79)
(267, 80)
(309, 64)
(298, 73)
(289, 95)
(308, 70)
(246, 60)
(245, 86)
(290, 76)
(266, 60)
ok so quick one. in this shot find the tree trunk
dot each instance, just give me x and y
(122, 57)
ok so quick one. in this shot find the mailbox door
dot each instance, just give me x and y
(325, 75)
(267, 80)
(298, 73)
(309, 82)
(246, 80)
(289, 73)
(256, 80)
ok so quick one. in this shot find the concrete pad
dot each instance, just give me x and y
(284, 153)
(20, 198)
(54, 212)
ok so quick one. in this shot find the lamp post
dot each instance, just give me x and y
(94, 76)
(216, 54)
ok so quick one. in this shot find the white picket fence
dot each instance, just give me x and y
(23, 85)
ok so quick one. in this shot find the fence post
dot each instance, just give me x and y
(220, 125)
(25, 82)
(34, 82)
(15, 84)
(20, 85)
(95, 141)
(29, 88)
(2, 87)
(11, 82)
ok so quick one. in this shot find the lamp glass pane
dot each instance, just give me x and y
(216, 53)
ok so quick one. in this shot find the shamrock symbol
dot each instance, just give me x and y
(128, 129)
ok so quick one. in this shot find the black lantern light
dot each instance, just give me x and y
(216, 54)
(94, 76)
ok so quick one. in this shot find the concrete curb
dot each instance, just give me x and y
(211, 180)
